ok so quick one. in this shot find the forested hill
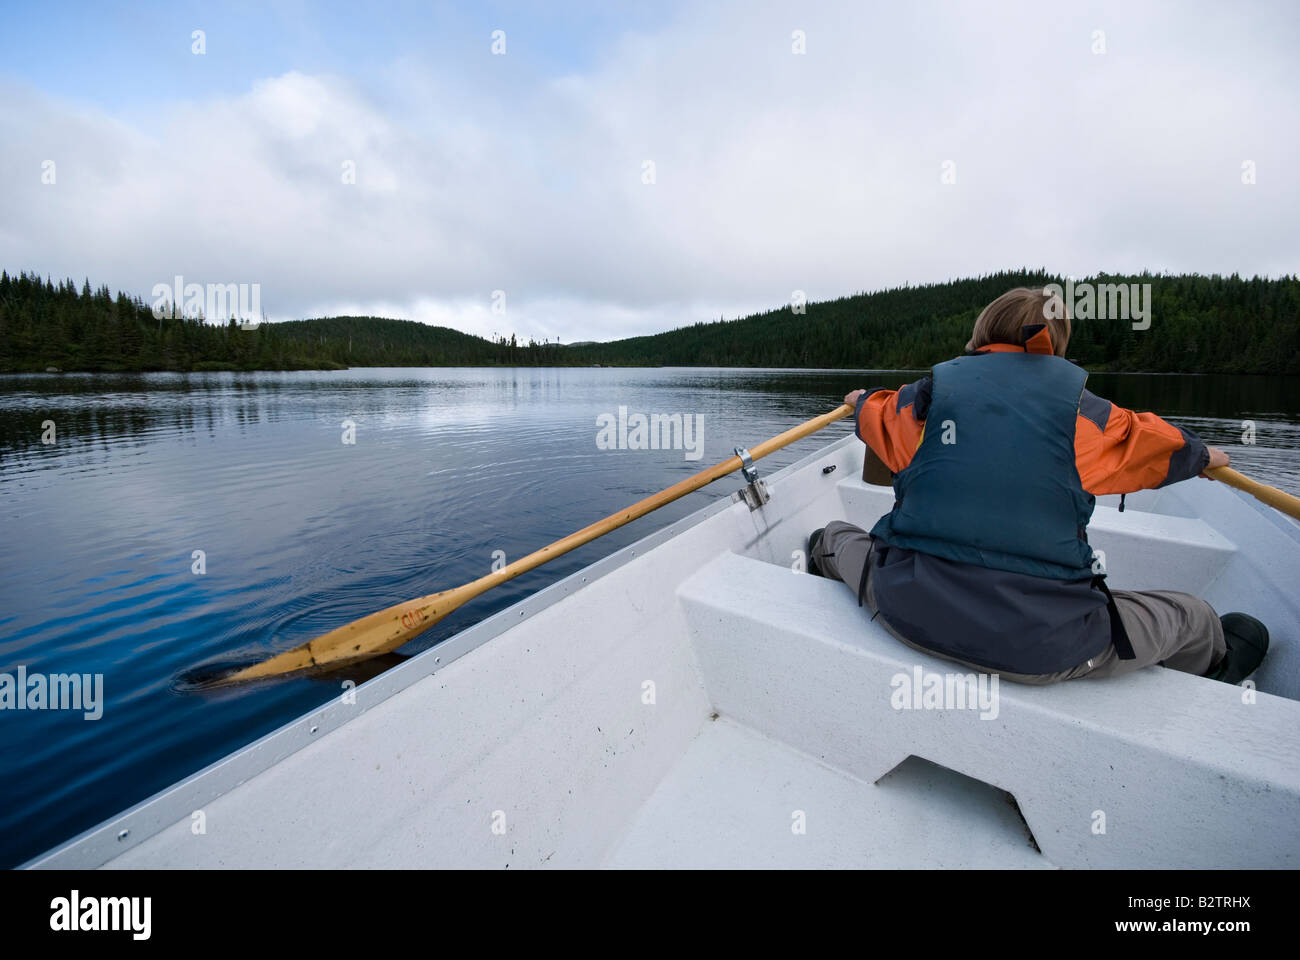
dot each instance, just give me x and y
(1198, 324)
(380, 342)
(43, 325)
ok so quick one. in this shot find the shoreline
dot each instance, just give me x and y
(335, 368)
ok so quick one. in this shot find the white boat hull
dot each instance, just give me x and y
(692, 701)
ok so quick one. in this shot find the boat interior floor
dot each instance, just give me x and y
(736, 796)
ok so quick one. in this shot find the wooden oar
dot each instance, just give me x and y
(1279, 500)
(390, 628)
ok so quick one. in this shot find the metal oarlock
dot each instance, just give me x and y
(754, 492)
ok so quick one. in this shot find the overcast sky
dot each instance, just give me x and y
(773, 171)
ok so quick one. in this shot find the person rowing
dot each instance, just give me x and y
(984, 559)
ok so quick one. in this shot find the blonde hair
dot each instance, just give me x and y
(1003, 319)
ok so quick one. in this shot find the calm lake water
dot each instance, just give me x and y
(301, 532)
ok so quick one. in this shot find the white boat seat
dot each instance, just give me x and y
(1136, 544)
(1141, 757)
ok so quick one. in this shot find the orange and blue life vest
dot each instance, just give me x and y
(990, 521)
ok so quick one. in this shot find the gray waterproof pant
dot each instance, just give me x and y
(1178, 630)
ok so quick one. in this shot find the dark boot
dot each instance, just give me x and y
(814, 538)
(1247, 642)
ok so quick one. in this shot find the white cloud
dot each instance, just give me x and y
(775, 172)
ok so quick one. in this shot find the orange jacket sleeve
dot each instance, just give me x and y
(891, 422)
(1119, 451)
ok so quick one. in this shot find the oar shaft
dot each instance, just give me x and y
(1279, 500)
(650, 504)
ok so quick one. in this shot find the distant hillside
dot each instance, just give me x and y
(380, 342)
(43, 324)
(1198, 325)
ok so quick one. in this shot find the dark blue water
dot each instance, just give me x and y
(302, 533)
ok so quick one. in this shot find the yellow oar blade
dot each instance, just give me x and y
(390, 628)
(1279, 500)
(372, 635)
